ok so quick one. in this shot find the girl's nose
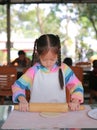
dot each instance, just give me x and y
(48, 63)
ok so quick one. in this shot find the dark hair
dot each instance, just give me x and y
(95, 64)
(21, 52)
(43, 44)
(68, 61)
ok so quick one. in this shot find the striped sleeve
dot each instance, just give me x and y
(73, 84)
(23, 83)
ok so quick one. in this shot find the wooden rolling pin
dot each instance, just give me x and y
(48, 107)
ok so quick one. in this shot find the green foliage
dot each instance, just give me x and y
(88, 17)
(2, 19)
(33, 22)
(30, 21)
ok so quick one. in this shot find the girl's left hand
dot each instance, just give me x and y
(74, 105)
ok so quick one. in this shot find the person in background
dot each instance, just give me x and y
(93, 77)
(21, 62)
(93, 82)
(48, 78)
(68, 61)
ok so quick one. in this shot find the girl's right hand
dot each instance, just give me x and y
(23, 104)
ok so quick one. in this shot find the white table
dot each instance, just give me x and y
(30, 120)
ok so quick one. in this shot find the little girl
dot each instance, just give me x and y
(48, 78)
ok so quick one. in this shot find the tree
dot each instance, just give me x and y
(33, 22)
(3, 19)
(88, 18)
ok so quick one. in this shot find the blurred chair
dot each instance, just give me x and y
(8, 75)
(78, 72)
(93, 82)
(93, 94)
(84, 65)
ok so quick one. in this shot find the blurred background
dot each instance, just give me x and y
(75, 23)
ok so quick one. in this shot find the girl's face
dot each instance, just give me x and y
(48, 59)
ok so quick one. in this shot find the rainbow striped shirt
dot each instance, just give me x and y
(44, 84)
